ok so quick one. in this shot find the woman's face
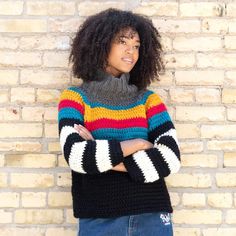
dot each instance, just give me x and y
(124, 52)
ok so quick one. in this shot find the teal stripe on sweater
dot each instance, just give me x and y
(70, 113)
(158, 120)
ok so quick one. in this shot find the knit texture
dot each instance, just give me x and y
(97, 190)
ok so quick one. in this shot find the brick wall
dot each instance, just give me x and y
(199, 88)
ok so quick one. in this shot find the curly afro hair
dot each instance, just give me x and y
(92, 43)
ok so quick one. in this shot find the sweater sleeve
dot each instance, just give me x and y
(164, 158)
(83, 156)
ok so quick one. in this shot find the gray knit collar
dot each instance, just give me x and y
(110, 89)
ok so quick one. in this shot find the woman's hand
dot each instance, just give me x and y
(83, 132)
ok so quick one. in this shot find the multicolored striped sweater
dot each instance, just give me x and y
(113, 111)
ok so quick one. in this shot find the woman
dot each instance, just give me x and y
(115, 134)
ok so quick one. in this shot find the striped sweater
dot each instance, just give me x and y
(113, 111)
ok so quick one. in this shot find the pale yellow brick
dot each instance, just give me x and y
(20, 146)
(199, 160)
(23, 25)
(51, 8)
(217, 60)
(191, 147)
(227, 145)
(61, 161)
(54, 147)
(200, 113)
(165, 79)
(205, 95)
(229, 95)
(59, 199)
(33, 199)
(15, 231)
(230, 42)
(15, 130)
(206, 77)
(219, 231)
(3, 179)
(5, 217)
(51, 114)
(197, 217)
(231, 9)
(181, 95)
(189, 180)
(187, 131)
(186, 231)
(218, 131)
(219, 26)
(2, 160)
(51, 130)
(64, 179)
(179, 60)
(70, 219)
(177, 26)
(48, 42)
(90, 8)
(3, 95)
(232, 26)
(48, 78)
(48, 95)
(226, 179)
(235, 199)
(76, 81)
(38, 216)
(31, 180)
(197, 43)
(11, 7)
(157, 8)
(20, 59)
(31, 160)
(201, 9)
(55, 59)
(221, 200)
(230, 159)
(231, 217)
(194, 200)
(9, 113)
(230, 78)
(8, 77)
(166, 43)
(60, 232)
(8, 42)
(64, 25)
(33, 113)
(9, 199)
(175, 199)
(29, 95)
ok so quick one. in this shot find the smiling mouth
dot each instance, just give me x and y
(128, 60)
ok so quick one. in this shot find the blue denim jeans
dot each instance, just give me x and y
(147, 224)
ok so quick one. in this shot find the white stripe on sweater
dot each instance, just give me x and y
(169, 157)
(76, 156)
(103, 160)
(171, 133)
(146, 166)
(65, 132)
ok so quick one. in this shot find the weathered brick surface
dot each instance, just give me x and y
(198, 86)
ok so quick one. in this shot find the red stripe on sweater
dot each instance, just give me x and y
(155, 110)
(71, 104)
(119, 124)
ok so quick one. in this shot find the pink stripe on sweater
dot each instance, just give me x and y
(71, 104)
(155, 110)
(119, 124)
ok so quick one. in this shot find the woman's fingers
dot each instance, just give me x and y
(84, 133)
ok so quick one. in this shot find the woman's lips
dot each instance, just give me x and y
(128, 60)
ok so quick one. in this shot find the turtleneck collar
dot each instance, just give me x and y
(110, 89)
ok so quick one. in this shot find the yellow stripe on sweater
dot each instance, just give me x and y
(101, 112)
(153, 100)
(71, 95)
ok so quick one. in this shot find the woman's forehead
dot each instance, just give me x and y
(128, 33)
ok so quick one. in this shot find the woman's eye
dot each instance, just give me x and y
(122, 42)
(137, 47)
